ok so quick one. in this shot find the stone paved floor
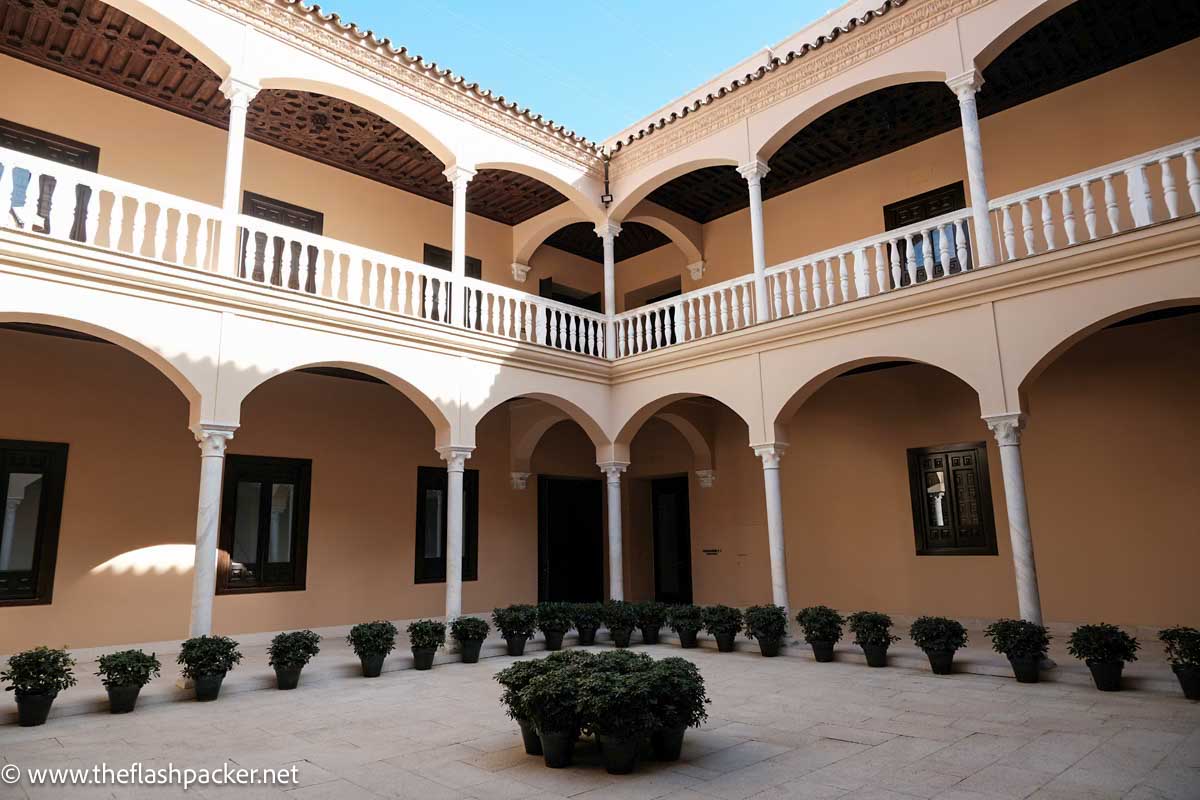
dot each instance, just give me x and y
(779, 728)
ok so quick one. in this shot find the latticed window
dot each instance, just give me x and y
(952, 500)
(264, 524)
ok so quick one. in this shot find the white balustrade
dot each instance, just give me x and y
(696, 315)
(510, 314)
(1121, 196)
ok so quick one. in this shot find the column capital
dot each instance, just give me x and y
(754, 171)
(608, 230)
(706, 477)
(455, 457)
(213, 439)
(520, 271)
(1007, 428)
(520, 479)
(613, 469)
(459, 175)
(771, 453)
(239, 92)
(966, 84)
(696, 270)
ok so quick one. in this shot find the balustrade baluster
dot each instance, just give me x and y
(843, 277)
(830, 279)
(1138, 190)
(724, 311)
(712, 314)
(663, 326)
(502, 328)
(944, 236)
(960, 245)
(927, 253)
(294, 266)
(880, 269)
(1027, 228)
(427, 307)
(560, 324)
(1192, 173)
(1068, 212)
(680, 325)
(159, 247)
(894, 247)
(791, 291)
(777, 294)
(651, 331)
(1047, 220)
(747, 302)
(1010, 234)
(137, 242)
(862, 275)
(911, 265)
(203, 238)
(1110, 205)
(116, 220)
(1170, 195)
(818, 292)
(1089, 209)
(537, 323)
(735, 308)
(693, 307)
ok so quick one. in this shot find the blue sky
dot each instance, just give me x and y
(594, 67)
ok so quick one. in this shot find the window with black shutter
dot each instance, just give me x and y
(32, 475)
(432, 516)
(952, 500)
(264, 524)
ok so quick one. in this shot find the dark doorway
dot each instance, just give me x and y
(672, 540)
(570, 539)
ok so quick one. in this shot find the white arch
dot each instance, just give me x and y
(689, 245)
(584, 204)
(993, 30)
(212, 38)
(632, 195)
(701, 450)
(532, 233)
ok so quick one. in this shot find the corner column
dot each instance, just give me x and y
(771, 455)
(1007, 428)
(965, 86)
(616, 566)
(459, 177)
(212, 440)
(608, 232)
(754, 172)
(456, 460)
(239, 93)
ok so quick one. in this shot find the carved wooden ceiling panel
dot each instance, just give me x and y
(94, 42)
(580, 238)
(1081, 41)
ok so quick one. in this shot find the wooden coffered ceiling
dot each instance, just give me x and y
(580, 238)
(1085, 39)
(94, 42)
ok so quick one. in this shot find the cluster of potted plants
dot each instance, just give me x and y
(623, 699)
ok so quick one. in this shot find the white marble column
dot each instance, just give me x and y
(965, 86)
(1007, 428)
(754, 172)
(212, 440)
(459, 177)
(456, 460)
(239, 93)
(608, 232)
(616, 566)
(771, 455)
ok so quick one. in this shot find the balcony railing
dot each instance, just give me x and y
(66, 203)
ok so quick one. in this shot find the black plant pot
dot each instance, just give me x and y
(724, 642)
(1026, 669)
(372, 664)
(287, 677)
(687, 640)
(941, 661)
(769, 647)
(649, 636)
(1107, 674)
(516, 645)
(876, 654)
(122, 699)
(587, 634)
(32, 709)
(667, 743)
(1189, 681)
(423, 657)
(554, 639)
(822, 651)
(529, 735)
(620, 638)
(470, 650)
(620, 753)
(208, 687)
(558, 747)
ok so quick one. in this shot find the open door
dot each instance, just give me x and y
(672, 540)
(570, 539)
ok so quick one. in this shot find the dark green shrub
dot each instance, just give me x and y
(373, 638)
(619, 615)
(469, 629)
(551, 699)
(514, 679)
(1102, 644)
(651, 614)
(128, 668)
(515, 621)
(1018, 638)
(938, 634)
(722, 620)
(768, 623)
(294, 649)
(616, 704)
(622, 662)
(567, 658)
(587, 615)
(685, 618)
(425, 634)
(553, 617)
(871, 628)
(42, 670)
(208, 655)
(821, 624)
(1182, 647)
(678, 691)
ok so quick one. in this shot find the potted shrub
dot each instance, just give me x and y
(205, 661)
(621, 662)
(651, 617)
(686, 621)
(1024, 643)
(767, 624)
(553, 620)
(469, 632)
(620, 618)
(723, 622)
(372, 641)
(678, 692)
(1183, 654)
(822, 628)
(425, 636)
(288, 654)
(939, 637)
(587, 619)
(36, 677)
(619, 710)
(124, 674)
(516, 624)
(514, 679)
(1105, 649)
(550, 698)
(872, 632)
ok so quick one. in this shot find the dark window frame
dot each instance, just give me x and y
(441, 258)
(45, 557)
(917, 489)
(49, 146)
(255, 205)
(239, 467)
(428, 570)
